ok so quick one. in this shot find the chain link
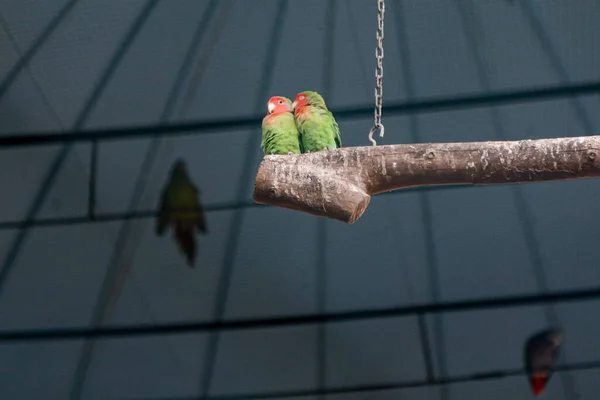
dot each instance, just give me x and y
(377, 125)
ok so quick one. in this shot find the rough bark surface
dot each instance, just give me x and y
(338, 184)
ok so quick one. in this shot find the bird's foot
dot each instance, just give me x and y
(290, 153)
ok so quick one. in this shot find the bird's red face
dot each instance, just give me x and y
(301, 100)
(277, 105)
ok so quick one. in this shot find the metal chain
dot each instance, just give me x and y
(378, 74)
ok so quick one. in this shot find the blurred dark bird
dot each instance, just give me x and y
(181, 207)
(541, 352)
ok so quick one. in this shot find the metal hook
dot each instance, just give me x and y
(372, 131)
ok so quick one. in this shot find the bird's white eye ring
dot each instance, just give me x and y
(301, 97)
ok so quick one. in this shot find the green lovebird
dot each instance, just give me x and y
(316, 124)
(279, 132)
(180, 193)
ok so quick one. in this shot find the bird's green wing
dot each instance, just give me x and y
(336, 131)
(265, 132)
(280, 136)
(334, 128)
(300, 144)
(268, 140)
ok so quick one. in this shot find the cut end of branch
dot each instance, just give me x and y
(310, 189)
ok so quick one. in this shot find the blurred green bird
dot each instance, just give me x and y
(180, 193)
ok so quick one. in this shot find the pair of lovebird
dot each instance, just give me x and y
(304, 126)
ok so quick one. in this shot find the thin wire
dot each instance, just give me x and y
(321, 223)
(205, 56)
(569, 383)
(474, 33)
(129, 237)
(38, 87)
(423, 332)
(116, 270)
(121, 331)
(473, 377)
(20, 65)
(556, 63)
(426, 214)
(92, 180)
(127, 231)
(439, 104)
(226, 206)
(356, 44)
(35, 46)
(111, 68)
(252, 144)
(48, 181)
(321, 265)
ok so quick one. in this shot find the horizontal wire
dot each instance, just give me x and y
(121, 216)
(478, 376)
(117, 216)
(220, 125)
(296, 320)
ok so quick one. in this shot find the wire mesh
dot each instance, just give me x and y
(412, 107)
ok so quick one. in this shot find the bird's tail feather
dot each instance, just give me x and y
(187, 242)
(538, 383)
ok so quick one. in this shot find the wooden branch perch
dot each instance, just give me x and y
(338, 184)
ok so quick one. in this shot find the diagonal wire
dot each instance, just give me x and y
(410, 290)
(91, 206)
(35, 46)
(114, 288)
(356, 44)
(123, 254)
(426, 216)
(586, 122)
(224, 284)
(60, 124)
(127, 230)
(48, 181)
(19, 239)
(79, 123)
(116, 273)
(556, 63)
(321, 223)
(204, 59)
(34, 80)
(475, 36)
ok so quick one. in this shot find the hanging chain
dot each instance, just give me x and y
(378, 74)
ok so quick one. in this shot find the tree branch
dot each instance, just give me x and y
(338, 184)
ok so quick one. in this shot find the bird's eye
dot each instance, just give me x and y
(301, 97)
(280, 101)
